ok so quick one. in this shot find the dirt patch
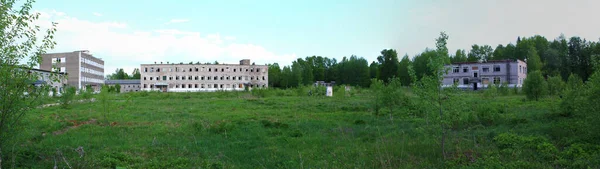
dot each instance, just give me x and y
(76, 124)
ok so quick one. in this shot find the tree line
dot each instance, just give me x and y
(560, 57)
(121, 75)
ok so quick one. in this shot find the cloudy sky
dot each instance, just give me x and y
(128, 33)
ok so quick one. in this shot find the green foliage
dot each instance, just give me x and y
(117, 88)
(403, 73)
(66, 99)
(555, 85)
(533, 60)
(388, 61)
(104, 99)
(503, 89)
(491, 91)
(534, 86)
(377, 97)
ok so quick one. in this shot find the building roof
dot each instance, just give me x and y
(135, 81)
(489, 61)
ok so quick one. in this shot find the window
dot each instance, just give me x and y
(222, 70)
(221, 77)
(455, 69)
(496, 80)
(216, 78)
(520, 69)
(170, 69)
(485, 80)
(196, 77)
(227, 78)
(176, 86)
(496, 68)
(465, 69)
(215, 86)
(209, 78)
(455, 80)
(183, 86)
(202, 86)
(170, 77)
(209, 69)
(144, 78)
(196, 69)
(202, 78)
(145, 69)
(151, 69)
(151, 78)
(196, 86)
(263, 77)
(257, 69)
(246, 70)
(189, 77)
(486, 69)
(176, 77)
(234, 70)
(164, 77)
(233, 76)
(157, 69)
(465, 81)
(190, 86)
(190, 69)
(145, 86)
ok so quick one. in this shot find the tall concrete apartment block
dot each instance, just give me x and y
(481, 74)
(203, 77)
(81, 67)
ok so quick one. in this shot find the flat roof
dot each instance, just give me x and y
(489, 61)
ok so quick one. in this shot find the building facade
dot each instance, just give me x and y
(81, 67)
(481, 74)
(126, 85)
(203, 77)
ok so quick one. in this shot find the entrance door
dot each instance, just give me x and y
(164, 89)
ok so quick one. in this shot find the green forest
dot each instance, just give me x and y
(559, 57)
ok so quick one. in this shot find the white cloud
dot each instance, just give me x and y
(97, 14)
(172, 21)
(124, 46)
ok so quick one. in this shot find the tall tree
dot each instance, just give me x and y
(480, 53)
(136, 74)
(459, 56)
(533, 61)
(403, 73)
(274, 75)
(374, 70)
(498, 53)
(389, 64)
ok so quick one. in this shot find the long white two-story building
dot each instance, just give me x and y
(480, 74)
(203, 77)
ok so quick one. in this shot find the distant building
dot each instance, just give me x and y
(475, 75)
(126, 85)
(57, 82)
(81, 67)
(203, 77)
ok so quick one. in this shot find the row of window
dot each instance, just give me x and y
(91, 71)
(207, 78)
(90, 62)
(59, 60)
(93, 80)
(208, 86)
(522, 69)
(203, 69)
(465, 69)
(485, 80)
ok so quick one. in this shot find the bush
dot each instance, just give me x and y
(67, 97)
(555, 85)
(534, 86)
(491, 91)
(118, 88)
(503, 89)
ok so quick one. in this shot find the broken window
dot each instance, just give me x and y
(151, 78)
(465, 81)
(145, 86)
(170, 77)
(151, 69)
(465, 69)
(234, 70)
(189, 77)
(190, 69)
(215, 86)
(145, 69)
(176, 77)
(246, 70)
(486, 69)
(227, 78)
(257, 69)
(196, 69)
(183, 86)
(455, 69)
(233, 76)
(196, 78)
(216, 78)
(263, 77)
(455, 81)
(221, 86)
(496, 68)
(202, 78)
(222, 70)
(221, 77)
(208, 77)
(190, 86)
(209, 69)
(157, 69)
(496, 80)
(144, 78)
(202, 86)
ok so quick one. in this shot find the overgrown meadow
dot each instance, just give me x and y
(291, 129)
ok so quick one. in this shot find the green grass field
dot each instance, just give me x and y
(240, 130)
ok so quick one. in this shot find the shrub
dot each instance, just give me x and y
(534, 86)
(118, 88)
(67, 97)
(555, 85)
(491, 91)
(503, 89)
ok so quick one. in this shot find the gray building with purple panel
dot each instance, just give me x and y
(481, 74)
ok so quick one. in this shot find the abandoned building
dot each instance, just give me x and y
(474, 75)
(126, 85)
(56, 81)
(81, 67)
(203, 77)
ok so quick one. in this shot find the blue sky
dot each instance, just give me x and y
(128, 33)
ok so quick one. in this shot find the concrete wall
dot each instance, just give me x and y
(126, 88)
(228, 77)
(73, 66)
(511, 72)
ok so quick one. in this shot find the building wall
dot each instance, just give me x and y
(90, 68)
(511, 72)
(58, 82)
(126, 88)
(203, 77)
